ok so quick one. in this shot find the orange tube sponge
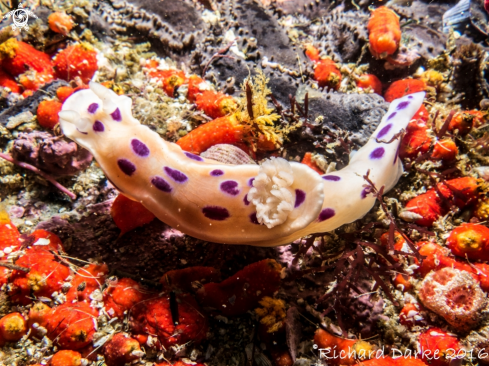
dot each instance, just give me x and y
(215, 104)
(47, 113)
(444, 345)
(8, 81)
(370, 81)
(72, 325)
(327, 74)
(60, 23)
(242, 291)
(307, 160)
(9, 235)
(400, 88)
(416, 141)
(79, 60)
(12, 327)
(171, 79)
(445, 150)
(39, 315)
(66, 358)
(128, 214)
(384, 32)
(341, 350)
(224, 130)
(121, 350)
(18, 57)
(86, 281)
(121, 296)
(470, 241)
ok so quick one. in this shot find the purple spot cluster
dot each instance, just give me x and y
(98, 126)
(139, 148)
(254, 219)
(245, 200)
(300, 197)
(410, 97)
(326, 214)
(250, 182)
(161, 184)
(332, 178)
(230, 187)
(402, 105)
(126, 166)
(215, 213)
(216, 173)
(393, 114)
(176, 175)
(92, 108)
(377, 153)
(384, 131)
(116, 115)
(193, 156)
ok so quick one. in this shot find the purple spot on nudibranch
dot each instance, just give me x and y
(384, 131)
(377, 153)
(139, 148)
(98, 126)
(410, 97)
(176, 175)
(161, 184)
(393, 114)
(193, 156)
(325, 214)
(85, 133)
(254, 219)
(365, 192)
(333, 178)
(126, 166)
(245, 200)
(92, 108)
(402, 105)
(250, 182)
(116, 115)
(215, 213)
(300, 197)
(230, 187)
(216, 173)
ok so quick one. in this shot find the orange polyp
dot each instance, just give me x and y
(384, 32)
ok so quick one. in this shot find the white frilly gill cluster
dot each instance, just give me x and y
(271, 192)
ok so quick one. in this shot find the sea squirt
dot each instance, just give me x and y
(264, 205)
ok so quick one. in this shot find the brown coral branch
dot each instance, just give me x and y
(13, 266)
(41, 173)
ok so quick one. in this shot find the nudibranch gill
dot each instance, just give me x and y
(264, 205)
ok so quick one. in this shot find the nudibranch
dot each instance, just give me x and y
(264, 205)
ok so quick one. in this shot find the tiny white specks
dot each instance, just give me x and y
(42, 241)
(7, 250)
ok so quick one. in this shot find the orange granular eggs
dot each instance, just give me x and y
(78, 60)
(60, 23)
(47, 113)
(384, 32)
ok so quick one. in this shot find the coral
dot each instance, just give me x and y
(9, 235)
(342, 34)
(384, 32)
(122, 349)
(215, 104)
(369, 82)
(121, 296)
(78, 60)
(39, 315)
(189, 279)
(60, 23)
(129, 214)
(66, 358)
(72, 326)
(18, 57)
(307, 160)
(174, 321)
(462, 122)
(47, 113)
(242, 291)
(403, 87)
(445, 346)
(470, 241)
(51, 154)
(224, 130)
(445, 150)
(170, 78)
(86, 281)
(455, 296)
(64, 92)
(327, 74)
(12, 328)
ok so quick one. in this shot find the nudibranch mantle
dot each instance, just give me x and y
(211, 200)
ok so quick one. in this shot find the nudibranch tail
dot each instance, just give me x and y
(265, 205)
(201, 197)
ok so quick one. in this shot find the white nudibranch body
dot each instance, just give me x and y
(264, 205)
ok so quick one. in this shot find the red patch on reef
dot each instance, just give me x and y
(128, 214)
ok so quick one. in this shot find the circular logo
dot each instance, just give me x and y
(20, 17)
